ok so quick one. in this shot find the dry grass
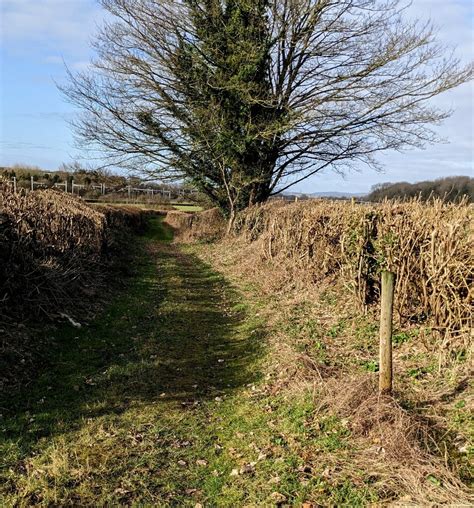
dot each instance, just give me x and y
(429, 246)
(406, 447)
(312, 269)
(400, 448)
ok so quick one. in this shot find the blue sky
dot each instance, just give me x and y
(37, 36)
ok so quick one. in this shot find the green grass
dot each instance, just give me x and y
(159, 402)
(188, 208)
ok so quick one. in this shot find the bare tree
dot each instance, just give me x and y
(245, 98)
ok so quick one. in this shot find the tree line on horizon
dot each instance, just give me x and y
(452, 189)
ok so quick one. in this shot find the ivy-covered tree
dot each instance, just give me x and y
(244, 98)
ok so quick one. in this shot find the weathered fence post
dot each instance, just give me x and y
(386, 316)
(14, 184)
(32, 183)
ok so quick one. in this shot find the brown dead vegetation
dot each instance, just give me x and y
(203, 226)
(314, 268)
(54, 245)
(428, 246)
(404, 452)
(56, 253)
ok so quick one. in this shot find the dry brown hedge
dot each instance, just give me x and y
(429, 246)
(52, 245)
(203, 226)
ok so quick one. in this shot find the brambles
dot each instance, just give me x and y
(323, 346)
(206, 226)
(53, 245)
(428, 246)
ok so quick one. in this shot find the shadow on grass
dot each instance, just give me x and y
(178, 336)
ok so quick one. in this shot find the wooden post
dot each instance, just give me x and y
(14, 184)
(386, 315)
(32, 184)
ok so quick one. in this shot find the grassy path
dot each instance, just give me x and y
(155, 403)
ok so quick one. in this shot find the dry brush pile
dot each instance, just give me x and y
(429, 246)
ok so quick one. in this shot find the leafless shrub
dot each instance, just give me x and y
(55, 254)
(51, 246)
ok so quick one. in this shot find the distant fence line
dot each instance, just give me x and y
(75, 188)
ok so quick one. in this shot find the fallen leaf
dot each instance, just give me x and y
(247, 468)
(121, 491)
(277, 498)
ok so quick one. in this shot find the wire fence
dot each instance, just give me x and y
(102, 189)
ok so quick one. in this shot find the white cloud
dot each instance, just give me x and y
(453, 20)
(67, 24)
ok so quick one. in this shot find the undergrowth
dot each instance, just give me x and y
(161, 401)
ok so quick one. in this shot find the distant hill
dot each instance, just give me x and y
(329, 194)
(335, 194)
